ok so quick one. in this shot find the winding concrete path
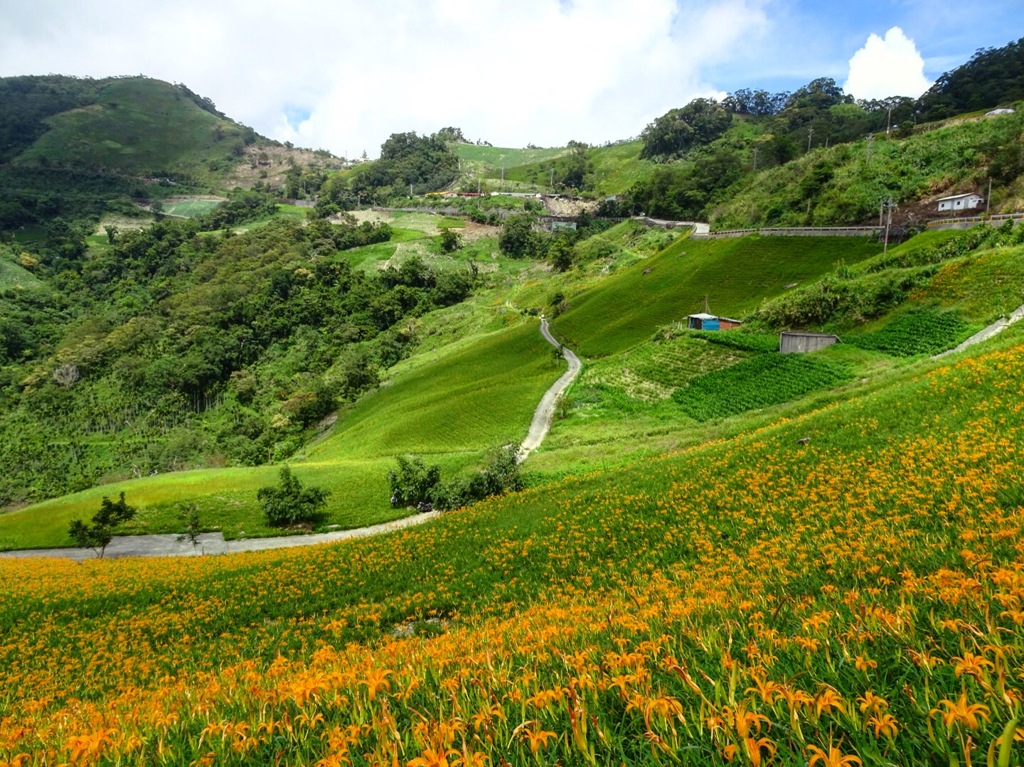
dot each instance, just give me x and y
(545, 412)
(214, 543)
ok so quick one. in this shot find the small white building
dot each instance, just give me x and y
(957, 202)
(1000, 111)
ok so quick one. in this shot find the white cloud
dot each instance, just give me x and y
(540, 71)
(887, 67)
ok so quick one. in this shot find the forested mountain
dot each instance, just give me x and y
(173, 345)
(993, 77)
(74, 147)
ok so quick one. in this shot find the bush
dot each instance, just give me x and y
(518, 240)
(416, 485)
(450, 241)
(290, 503)
(413, 483)
(500, 476)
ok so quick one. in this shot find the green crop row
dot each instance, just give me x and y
(758, 382)
(922, 331)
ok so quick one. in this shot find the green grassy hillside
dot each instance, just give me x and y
(478, 397)
(138, 126)
(734, 274)
(487, 159)
(615, 169)
(454, 407)
(829, 597)
(844, 184)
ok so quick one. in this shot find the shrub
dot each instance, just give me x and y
(518, 240)
(450, 241)
(413, 483)
(500, 476)
(290, 503)
(416, 485)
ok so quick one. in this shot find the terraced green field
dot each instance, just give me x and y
(489, 158)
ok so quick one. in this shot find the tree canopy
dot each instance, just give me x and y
(992, 77)
(679, 130)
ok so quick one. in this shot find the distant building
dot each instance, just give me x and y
(704, 321)
(968, 201)
(1000, 111)
(798, 342)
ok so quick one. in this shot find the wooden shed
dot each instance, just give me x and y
(798, 342)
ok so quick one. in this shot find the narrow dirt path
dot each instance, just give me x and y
(214, 543)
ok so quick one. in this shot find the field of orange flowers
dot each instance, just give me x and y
(858, 599)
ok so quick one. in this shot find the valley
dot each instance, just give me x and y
(565, 500)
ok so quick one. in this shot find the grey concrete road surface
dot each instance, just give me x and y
(545, 412)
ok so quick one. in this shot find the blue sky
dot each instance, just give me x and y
(810, 39)
(345, 74)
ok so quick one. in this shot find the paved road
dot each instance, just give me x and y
(545, 412)
(214, 543)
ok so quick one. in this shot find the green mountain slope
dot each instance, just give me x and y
(845, 184)
(860, 569)
(734, 275)
(137, 126)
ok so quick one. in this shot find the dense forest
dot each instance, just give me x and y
(993, 77)
(176, 346)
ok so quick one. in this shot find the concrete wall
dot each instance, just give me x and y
(805, 231)
(966, 222)
(801, 343)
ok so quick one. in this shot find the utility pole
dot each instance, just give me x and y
(867, 157)
(810, 135)
(988, 200)
(888, 121)
(755, 158)
(888, 223)
(552, 184)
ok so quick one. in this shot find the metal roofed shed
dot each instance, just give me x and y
(799, 342)
(705, 321)
(969, 201)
